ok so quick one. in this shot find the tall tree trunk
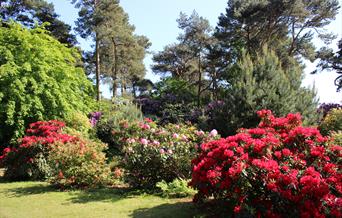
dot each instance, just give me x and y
(134, 90)
(215, 84)
(97, 51)
(97, 54)
(199, 81)
(123, 87)
(114, 69)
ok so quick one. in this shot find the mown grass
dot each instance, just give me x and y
(38, 199)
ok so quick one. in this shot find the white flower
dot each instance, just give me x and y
(213, 133)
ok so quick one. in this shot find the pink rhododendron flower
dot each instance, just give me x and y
(130, 140)
(175, 135)
(156, 142)
(144, 141)
(199, 133)
(148, 120)
(213, 133)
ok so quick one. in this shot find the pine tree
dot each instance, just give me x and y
(330, 60)
(262, 83)
(29, 12)
(86, 25)
(287, 27)
(186, 59)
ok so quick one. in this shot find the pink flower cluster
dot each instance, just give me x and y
(279, 169)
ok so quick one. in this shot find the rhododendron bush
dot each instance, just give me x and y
(279, 169)
(46, 152)
(154, 153)
(80, 163)
(27, 159)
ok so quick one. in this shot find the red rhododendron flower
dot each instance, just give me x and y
(290, 170)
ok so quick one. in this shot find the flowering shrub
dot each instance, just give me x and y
(279, 169)
(79, 163)
(121, 110)
(325, 108)
(153, 153)
(332, 122)
(27, 159)
(94, 117)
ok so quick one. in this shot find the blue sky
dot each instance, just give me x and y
(156, 19)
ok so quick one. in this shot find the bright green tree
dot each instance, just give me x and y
(39, 80)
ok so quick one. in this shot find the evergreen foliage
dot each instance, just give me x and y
(32, 11)
(330, 60)
(263, 83)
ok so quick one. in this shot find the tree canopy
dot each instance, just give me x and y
(39, 80)
(30, 12)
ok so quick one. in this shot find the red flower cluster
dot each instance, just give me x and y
(43, 133)
(279, 169)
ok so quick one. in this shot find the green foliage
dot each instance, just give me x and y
(28, 163)
(30, 13)
(178, 188)
(288, 27)
(337, 137)
(120, 57)
(263, 83)
(78, 123)
(78, 164)
(332, 122)
(186, 60)
(330, 60)
(154, 153)
(39, 80)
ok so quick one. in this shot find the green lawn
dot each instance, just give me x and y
(38, 199)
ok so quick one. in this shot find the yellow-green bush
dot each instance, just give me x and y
(80, 163)
(332, 122)
(79, 122)
(337, 138)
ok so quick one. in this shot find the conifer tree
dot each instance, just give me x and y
(29, 12)
(263, 83)
(186, 59)
(287, 27)
(330, 60)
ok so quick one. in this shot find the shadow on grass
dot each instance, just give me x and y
(72, 196)
(179, 210)
(96, 195)
(29, 190)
